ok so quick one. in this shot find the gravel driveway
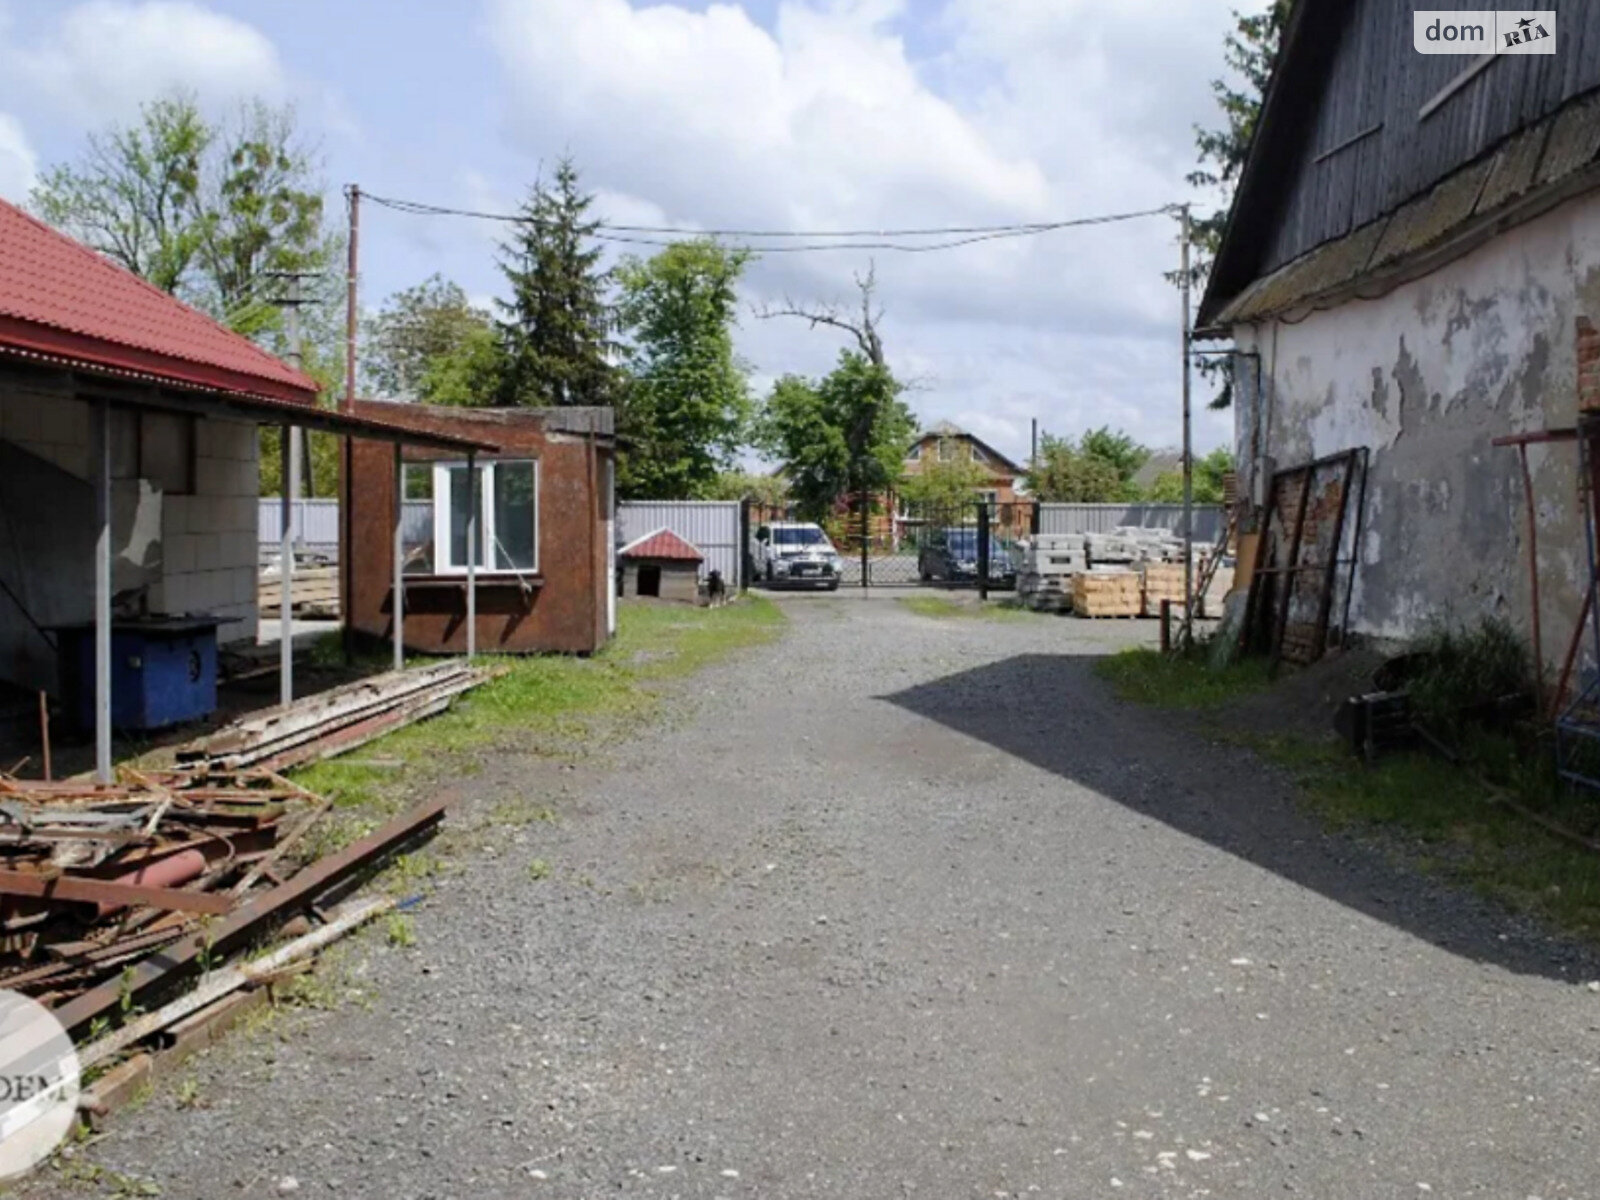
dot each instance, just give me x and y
(908, 906)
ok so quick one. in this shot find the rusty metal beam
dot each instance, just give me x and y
(77, 889)
(174, 962)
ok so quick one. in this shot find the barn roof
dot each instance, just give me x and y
(62, 301)
(664, 544)
(1371, 163)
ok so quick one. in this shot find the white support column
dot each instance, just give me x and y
(100, 471)
(286, 571)
(399, 558)
(472, 553)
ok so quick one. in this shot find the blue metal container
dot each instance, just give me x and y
(163, 671)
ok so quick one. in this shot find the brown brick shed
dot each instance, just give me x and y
(545, 521)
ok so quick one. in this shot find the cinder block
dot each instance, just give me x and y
(178, 550)
(174, 515)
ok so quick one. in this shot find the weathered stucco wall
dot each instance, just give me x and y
(1425, 377)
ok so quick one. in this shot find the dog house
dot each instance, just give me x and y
(662, 566)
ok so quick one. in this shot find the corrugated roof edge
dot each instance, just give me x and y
(281, 372)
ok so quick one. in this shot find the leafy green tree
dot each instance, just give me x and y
(840, 437)
(945, 480)
(1250, 52)
(429, 343)
(1120, 450)
(1206, 485)
(262, 212)
(771, 491)
(556, 328)
(200, 208)
(1064, 473)
(688, 403)
(135, 195)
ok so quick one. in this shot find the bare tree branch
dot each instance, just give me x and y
(864, 329)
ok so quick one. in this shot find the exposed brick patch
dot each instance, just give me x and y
(1588, 349)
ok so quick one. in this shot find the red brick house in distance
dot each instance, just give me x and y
(946, 442)
(543, 534)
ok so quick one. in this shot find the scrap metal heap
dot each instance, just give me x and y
(110, 890)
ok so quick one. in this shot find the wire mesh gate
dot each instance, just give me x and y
(897, 543)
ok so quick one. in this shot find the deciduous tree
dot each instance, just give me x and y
(688, 403)
(429, 343)
(840, 437)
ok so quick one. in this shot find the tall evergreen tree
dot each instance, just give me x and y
(557, 325)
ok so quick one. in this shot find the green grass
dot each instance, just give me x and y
(1450, 818)
(1458, 827)
(1149, 677)
(549, 701)
(942, 608)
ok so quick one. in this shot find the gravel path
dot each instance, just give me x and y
(906, 906)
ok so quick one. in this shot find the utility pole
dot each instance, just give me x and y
(1033, 458)
(346, 456)
(1188, 456)
(350, 313)
(299, 456)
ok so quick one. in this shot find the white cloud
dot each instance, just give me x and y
(19, 168)
(869, 114)
(106, 57)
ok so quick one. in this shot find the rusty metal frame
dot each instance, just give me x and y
(173, 963)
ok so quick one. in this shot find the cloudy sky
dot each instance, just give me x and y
(764, 114)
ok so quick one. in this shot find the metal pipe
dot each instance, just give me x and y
(1188, 455)
(285, 571)
(1572, 649)
(44, 732)
(399, 559)
(100, 456)
(1533, 578)
(472, 553)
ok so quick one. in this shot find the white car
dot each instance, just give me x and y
(796, 552)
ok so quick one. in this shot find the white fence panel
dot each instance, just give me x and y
(1209, 519)
(711, 525)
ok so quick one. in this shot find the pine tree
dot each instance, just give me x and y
(557, 325)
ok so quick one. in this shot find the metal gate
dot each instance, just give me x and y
(1312, 528)
(968, 544)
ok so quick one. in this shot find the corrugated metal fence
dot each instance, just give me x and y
(712, 525)
(1209, 519)
(316, 524)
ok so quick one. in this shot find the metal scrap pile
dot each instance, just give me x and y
(107, 890)
(93, 876)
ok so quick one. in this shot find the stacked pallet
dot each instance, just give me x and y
(1113, 592)
(1161, 581)
(1048, 561)
(315, 590)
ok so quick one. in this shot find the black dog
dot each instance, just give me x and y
(716, 590)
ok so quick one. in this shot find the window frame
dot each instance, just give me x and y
(442, 514)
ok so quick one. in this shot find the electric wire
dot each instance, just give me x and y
(955, 236)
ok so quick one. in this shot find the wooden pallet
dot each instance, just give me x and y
(314, 590)
(1106, 594)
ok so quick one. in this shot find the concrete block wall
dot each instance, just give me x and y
(209, 552)
(207, 560)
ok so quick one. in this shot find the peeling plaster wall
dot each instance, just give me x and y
(1425, 377)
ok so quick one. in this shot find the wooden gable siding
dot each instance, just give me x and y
(1374, 74)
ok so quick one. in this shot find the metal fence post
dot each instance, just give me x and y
(983, 549)
(1033, 520)
(746, 566)
(865, 504)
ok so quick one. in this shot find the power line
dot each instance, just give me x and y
(957, 235)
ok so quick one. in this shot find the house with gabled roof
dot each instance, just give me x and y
(945, 441)
(1411, 270)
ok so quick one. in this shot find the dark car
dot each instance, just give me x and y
(952, 555)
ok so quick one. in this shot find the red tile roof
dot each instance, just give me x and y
(663, 543)
(61, 300)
